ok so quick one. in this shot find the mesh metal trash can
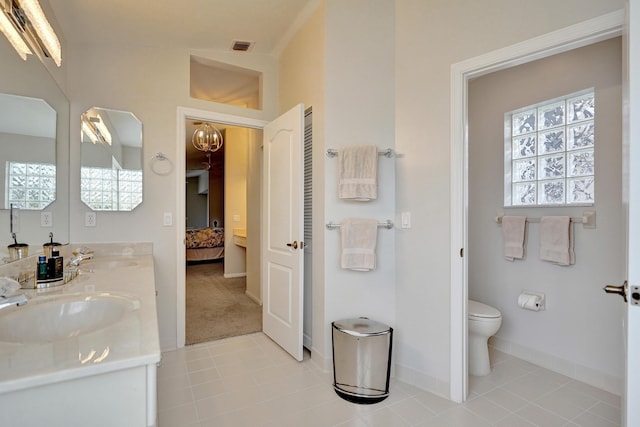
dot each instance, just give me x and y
(361, 359)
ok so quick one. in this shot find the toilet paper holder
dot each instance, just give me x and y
(531, 300)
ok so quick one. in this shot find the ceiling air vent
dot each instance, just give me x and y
(241, 45)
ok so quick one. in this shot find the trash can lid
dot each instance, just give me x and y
(361, 326)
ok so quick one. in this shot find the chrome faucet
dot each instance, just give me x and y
(13, 300)
(76, 260)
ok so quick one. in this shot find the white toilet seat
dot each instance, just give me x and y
(478, 310)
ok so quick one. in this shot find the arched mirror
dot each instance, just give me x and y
(28, 148)
(111, 160)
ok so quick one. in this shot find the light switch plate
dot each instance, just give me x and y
(167, 219)
(405, 220)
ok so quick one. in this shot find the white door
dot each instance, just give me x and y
(632, 141)
(282, 231)
(631, 178)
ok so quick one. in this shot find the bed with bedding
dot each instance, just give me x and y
(204, 244)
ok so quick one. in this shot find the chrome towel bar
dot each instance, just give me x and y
(388, 225)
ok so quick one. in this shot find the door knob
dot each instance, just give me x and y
(293, 245)
(620, 290)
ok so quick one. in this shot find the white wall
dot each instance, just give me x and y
(29, 78)
(254, 202)
(579, 324)
(359, 109)
(151, 83)
(385, 66)
(301, 75)
(429, 39)
(235, 198)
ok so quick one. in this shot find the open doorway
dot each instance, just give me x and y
(254, 212)
(222, 198)
(583, 34)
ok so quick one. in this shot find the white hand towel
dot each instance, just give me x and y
(556, 240)
(358, 241)
(357, 172)
(8, 286)
(513, 233)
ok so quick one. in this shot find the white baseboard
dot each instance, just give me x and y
(318, 359)
(565, 367)
(232, 275)
(253, 297)
(421, 380)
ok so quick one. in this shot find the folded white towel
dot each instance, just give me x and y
(556, 240)
(8, 286)
(357, 172)
(358, 241)
(514, 236)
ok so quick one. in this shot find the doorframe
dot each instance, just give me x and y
(582, 34)
(183, 114)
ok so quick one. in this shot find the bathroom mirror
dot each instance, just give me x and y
(33, 100)
(28, 148)
(111, 160)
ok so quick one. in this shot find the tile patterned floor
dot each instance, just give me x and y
(249, 381)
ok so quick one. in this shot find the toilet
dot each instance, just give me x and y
(484, 321)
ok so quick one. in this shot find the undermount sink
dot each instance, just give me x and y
(63, 317)
(107, 264)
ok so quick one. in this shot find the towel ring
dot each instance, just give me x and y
(160, 164)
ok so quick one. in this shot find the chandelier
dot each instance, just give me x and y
(207, 138)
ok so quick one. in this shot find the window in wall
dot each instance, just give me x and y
(111, 189)
(31, 185)
(215, 81)
(549, 152)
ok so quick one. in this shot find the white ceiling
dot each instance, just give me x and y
(189, 24)
(192, 24)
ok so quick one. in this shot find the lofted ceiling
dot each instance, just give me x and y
(189, 24)
(192, 24)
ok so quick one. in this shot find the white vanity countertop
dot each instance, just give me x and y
(132, 341)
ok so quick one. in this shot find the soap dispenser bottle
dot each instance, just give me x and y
(41, 273)
(55, 266)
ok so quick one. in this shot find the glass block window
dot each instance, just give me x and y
(549, 152)
(30, 185)
(111, 189)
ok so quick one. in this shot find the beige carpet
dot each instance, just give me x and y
(218, 307)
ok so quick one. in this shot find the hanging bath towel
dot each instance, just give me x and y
(514, 235)
(556, 240)
(358, 241)
(357, 172)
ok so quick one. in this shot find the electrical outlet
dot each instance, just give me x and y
(90, 219)
(46, 219)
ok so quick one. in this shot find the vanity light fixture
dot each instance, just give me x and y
(45, 32)
(95, 129)
(207, 138)
(87, 129)
(102, 128)
(13, 36)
